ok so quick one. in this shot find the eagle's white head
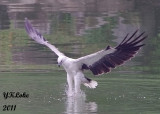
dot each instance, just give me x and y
(61, 60)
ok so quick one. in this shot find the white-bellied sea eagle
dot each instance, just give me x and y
(99, 63)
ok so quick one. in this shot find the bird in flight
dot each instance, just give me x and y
(98, 63)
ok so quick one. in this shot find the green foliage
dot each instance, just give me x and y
(10, 39)
(61, 22)
(152, 58)
(103, 34)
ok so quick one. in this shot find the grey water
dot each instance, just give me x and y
(78, 28)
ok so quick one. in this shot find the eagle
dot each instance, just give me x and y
(98, 63)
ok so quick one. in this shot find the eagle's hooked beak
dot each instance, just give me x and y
(59, 64)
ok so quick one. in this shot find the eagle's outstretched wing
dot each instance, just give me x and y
(102, 61)
(35, 35)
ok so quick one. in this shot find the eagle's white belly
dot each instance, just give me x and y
(70, 67)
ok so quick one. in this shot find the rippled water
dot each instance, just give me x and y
(79, 28)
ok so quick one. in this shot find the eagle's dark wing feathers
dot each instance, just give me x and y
(102, 61)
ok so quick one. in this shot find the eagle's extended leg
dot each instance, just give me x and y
(77, 82)
(70, 83)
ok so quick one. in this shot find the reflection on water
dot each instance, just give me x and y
(4, 20)
(77, 28)
(77, 104)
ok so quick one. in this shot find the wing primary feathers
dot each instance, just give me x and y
(139, 41)
(26, 26)
(124, 39)
(132, 43)
(35, 35)
(137, 37)
(113, 57)
(131, 37)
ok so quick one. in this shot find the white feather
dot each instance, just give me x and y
(93, 84)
